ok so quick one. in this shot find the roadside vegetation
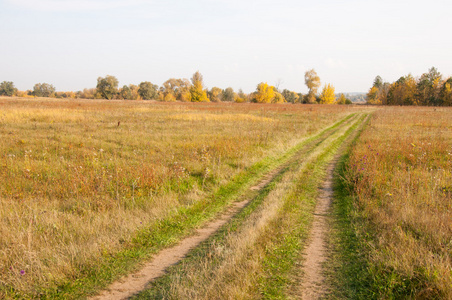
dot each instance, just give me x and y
(394, 230)
(84, 182)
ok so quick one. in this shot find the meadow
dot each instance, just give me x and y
(400, 176)
(81, 179)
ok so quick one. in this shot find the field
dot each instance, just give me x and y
(400, 176)
(82, 179)
(91, 190)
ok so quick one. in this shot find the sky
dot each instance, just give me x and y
(233, 43)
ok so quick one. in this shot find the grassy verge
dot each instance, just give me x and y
(393, 229)
(209, 266)
(147, 241)
(348, 271)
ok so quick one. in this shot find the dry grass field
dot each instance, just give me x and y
(80, 177)
(401, 174)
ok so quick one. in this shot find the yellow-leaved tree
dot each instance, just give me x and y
(264, 93)
(327, 96)
(197, 92)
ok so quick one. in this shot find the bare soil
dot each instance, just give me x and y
(313, 284)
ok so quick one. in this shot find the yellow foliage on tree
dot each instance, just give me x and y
(197, 92)
(264, 93)
(169, 97)
(373, 96)
(327, 96)
(278, 98)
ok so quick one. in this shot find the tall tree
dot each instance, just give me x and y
(327, 96)
(312, 81)
(228, 95)
(197, 92)
(147, 90)
(428, 87)
(7, 88)
(107, 87)
(43, 90)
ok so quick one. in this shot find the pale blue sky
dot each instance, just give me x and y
(69, 43)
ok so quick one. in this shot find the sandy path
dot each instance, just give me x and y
(315, 254)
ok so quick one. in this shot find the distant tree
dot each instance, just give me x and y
(175, 89)
(342, 99)
(125, 93)
(197, 92)
(264, 93)
(241, 97)
(428, 88)
(446, 92)
(378, 82)
(327, 96)
(228, 95)
(43, 90)
(215, 94)
(147, 90)
(86, 94)
(290, 96)
(312, 81)
(107, 87)
(7, 88)
(278, 98)
(403, 91)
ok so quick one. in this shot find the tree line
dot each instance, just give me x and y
(428, 89)
(192, 90)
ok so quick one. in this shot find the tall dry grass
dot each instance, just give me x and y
(401, 170)
(79, 177)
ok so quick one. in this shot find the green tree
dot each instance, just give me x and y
(107, 87)
(428, 88)
(126, 93)
(290, 96)
(7, 88)
(197, 92)
(147, 90)
(327, 96)
(43, 90)
(312, 81)
(228, 95)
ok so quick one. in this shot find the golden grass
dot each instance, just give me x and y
(219, 117)
(79, 177)
(232, 269)
(401, 170)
